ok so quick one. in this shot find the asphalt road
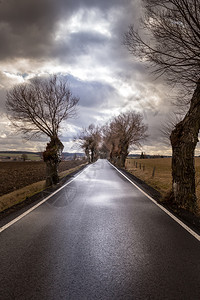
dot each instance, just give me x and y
(99, 238)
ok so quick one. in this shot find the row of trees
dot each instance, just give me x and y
(89, 139)
(115, 139)
(41, 105)
(168, 41)
(122, 134)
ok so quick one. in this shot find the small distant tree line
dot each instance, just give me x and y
(167, 40)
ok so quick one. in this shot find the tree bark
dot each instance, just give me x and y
(52, 157)
(184, 139)
(112, 153)
(87, 153)
(92, 155)
(51, 172)
(123, 155)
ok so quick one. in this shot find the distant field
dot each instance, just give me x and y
(162, 179)
(33, 157)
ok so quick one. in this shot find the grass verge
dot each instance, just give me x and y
(157, 174)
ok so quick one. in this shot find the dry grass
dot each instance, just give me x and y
(162, 178)
(18, 196)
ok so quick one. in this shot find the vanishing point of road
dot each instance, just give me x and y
(99, 237)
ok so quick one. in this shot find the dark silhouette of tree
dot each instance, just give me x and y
(169, 41)
(123, 132)
(104, 151)
(89, 140)
(109, 142)
(24, 156)
(142, 156)
(39, 107)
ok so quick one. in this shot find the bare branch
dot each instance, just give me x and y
(122, 133)
(41, 105)
(169, 39)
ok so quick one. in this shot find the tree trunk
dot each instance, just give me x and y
(87, 153)
(92, 155)
(123, 160)
(183, 140)
(123, 155)
(51, 172)
(52, 157)
(111, 152)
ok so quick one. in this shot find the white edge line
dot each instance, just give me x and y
(196, 235)
(40, 203)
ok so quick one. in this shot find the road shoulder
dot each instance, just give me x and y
(189, 219)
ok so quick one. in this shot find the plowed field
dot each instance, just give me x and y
(15, 175)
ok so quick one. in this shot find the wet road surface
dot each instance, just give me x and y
(99, 238)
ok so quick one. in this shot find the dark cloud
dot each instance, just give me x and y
(27, 28)
(100, 70)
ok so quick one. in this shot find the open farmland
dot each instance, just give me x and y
(18, 156)
(157, 173)
(16, 175)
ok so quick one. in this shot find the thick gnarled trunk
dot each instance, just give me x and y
(123, 155)
(87, 153)
(184, 139)
(51, 172)
(52, 157)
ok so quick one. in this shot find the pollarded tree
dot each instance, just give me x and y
(169, 41)
(123, 132)
(39, 107)
(110, 142)
(89, 140)
(104, 151)
(130, 131)
(24, 156)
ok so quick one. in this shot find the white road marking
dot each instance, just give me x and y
(197, 236)
(40, 203)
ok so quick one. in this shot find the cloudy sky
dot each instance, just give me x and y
(81, 40)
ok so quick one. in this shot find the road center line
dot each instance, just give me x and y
(40, 203)
(196, 235)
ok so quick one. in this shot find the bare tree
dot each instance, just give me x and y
(109, 142)
(169, 41)
(38, 107)
(24, 156)
(89, 140)
(123, 132)
(104, 151)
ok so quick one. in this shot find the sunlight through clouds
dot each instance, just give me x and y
(81, 40)
(86, 20)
